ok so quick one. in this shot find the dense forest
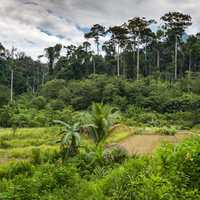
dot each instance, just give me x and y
(135, 66)
(139, 78)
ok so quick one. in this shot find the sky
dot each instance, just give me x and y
(33, 25)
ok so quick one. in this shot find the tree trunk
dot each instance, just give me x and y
(158, 60)
(134, 56)
(189, 71)
(94, 66)
(175, 59)
(145, 52)
(51, 67)
(11, 85)
(124, 67)
(138, 63)
(118, 62)
(190, 66)
(43, 78)
(97, 42)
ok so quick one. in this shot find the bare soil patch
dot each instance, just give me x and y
(146, 144)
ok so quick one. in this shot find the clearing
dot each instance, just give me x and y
(146, 144)
(20, 146)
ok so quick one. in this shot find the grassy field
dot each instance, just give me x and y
(22, 144)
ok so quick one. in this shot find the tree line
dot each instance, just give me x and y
(132, 50)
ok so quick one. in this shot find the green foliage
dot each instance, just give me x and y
(22, 116)
(102, 117)
(56, 104)
(166, 131)
(98, 173)
(70, 139)
(4, 95)
(36, 156)
(116, 155)
(51, 89)
(156, 100)
(147, 101)
(182, 104)
(15, 169)
(39, 102)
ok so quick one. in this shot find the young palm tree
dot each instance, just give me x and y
(102, 117)
(70, 139)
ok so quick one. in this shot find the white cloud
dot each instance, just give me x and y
(32, 25)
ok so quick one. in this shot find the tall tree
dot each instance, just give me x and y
(175, 23)
(138, 28)
(53, 53)
(96, 32)
(2, 51)
(119, 37)
(86, 46)
(12, 68)
(157, 46)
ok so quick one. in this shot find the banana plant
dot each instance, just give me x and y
(70, 138)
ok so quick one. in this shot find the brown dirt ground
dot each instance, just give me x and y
(146, 144)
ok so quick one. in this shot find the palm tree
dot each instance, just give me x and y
(70, 139)
(102, 117)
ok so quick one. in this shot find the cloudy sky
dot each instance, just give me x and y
(32, 25)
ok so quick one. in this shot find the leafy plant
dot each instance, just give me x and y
(167, 131)
(70, 138)
(102, 117)
(36, 154)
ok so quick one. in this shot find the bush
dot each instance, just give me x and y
(182, 104)
(56, 104)
(14, 169)
(4, 95)
(36, 156)
(166, 131)
(115, 155)
(38, 102)
(51, 89)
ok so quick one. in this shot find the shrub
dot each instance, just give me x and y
(38, 102)
(115, 155)
(14, 169)
(56, 104)
(166, 131)
(51, 89)
(4, 144)
(36, 156)
(4, 95)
